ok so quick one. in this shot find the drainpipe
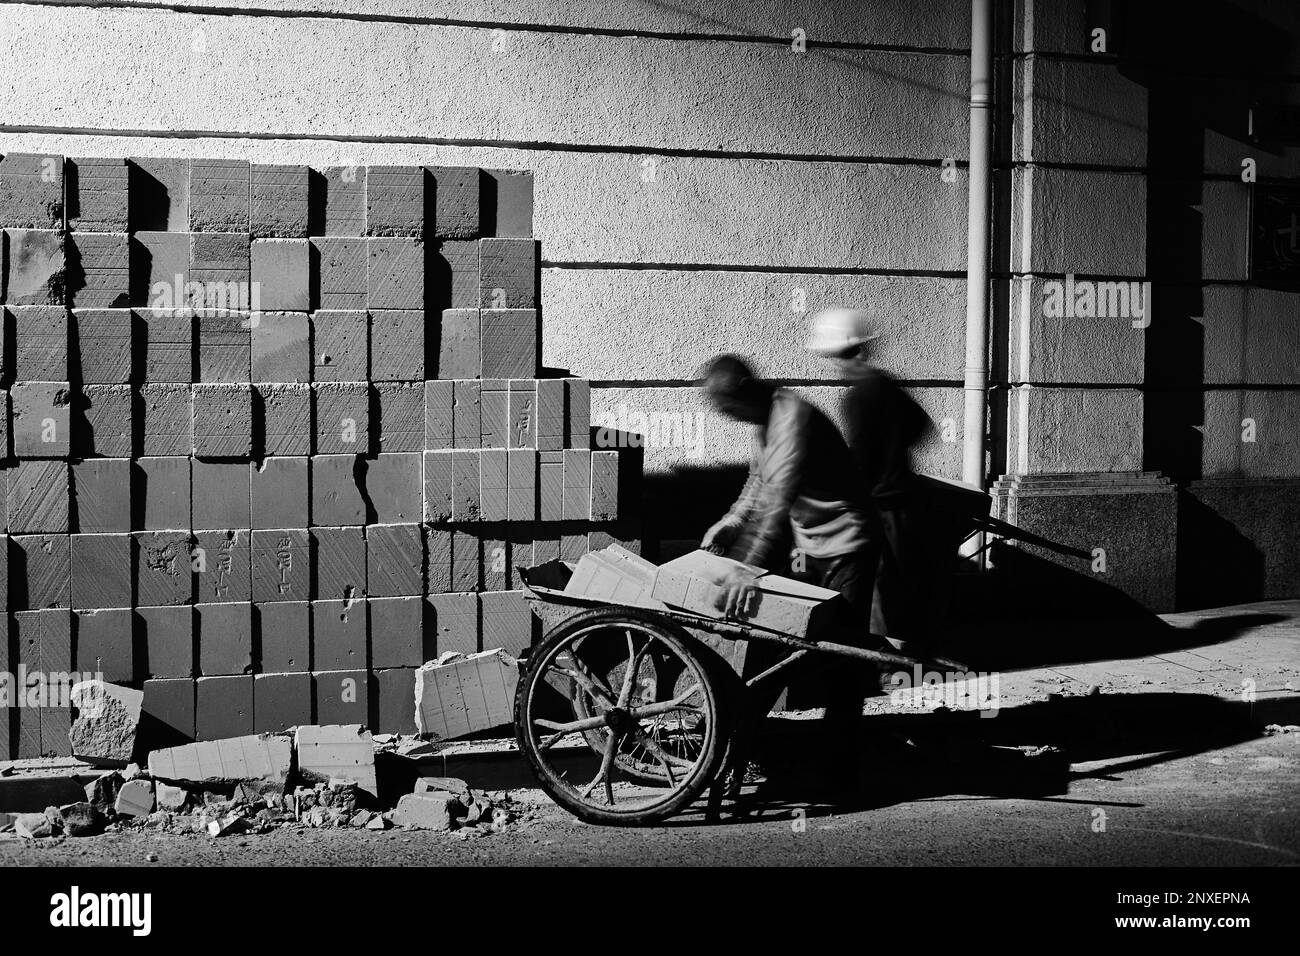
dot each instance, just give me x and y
(977, 243)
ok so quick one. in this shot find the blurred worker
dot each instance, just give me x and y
(882, 424)
(801, 480)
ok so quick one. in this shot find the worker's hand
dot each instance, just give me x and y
(719, 537)
(738, 594)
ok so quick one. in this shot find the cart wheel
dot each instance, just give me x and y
(622, 717)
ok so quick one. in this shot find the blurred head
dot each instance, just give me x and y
(842, 335)
(732, 389)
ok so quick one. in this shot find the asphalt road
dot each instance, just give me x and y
(1237, 804)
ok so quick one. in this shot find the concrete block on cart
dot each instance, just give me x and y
(96, 194)
(162, 491)
(395, 200)
(168, 344)
(792, 607)
(40, 343)
(614, 574)
(278, 201)
(342, 418)
(99, 269)
(101, 495)
(223, 421)
(460, 349)
(285, 419)
(392, 483)
(101, 341)
(339, 272)
(395, 700)
(39, 567)
(107, 722)
(40, 419)
(340, 349)
(102, 422)
(281, 562)
(396, 632)
(281, 701)
(263, 761)
(168, 643)
(223, 707)
(466, 694)
(454, 623)
(279, 493)
(339, 563)
(336, 497)
(394, 560)
(168, 712)
(458, 197)
(35, 267)
(508, 623)
(507, 274)
(337, 752)
(342, 696)
(339, 635)
(221, 495)
(281, 275)
(281, 347)
(101, 570)
(225, 639)
(162, 568)
(284, 630)
(510, 338)
(401, 416)
(397, 345)
(167, 420)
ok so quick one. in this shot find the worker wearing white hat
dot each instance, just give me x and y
(882, 424)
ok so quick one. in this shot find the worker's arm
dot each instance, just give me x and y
(781, 471)
(719, 537)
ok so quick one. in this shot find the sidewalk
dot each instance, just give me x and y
(1259, 664)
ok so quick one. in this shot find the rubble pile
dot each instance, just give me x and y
(320, 778)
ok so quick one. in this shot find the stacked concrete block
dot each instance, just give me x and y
(275, 437)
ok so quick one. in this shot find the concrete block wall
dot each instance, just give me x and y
(271, 516)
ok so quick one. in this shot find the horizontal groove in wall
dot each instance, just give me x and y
(767, 269)
(538, 145)
(258, 12)
(783, 382)
(1071, 167)
(1150, 389)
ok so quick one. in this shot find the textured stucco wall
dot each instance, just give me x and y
(700, 185)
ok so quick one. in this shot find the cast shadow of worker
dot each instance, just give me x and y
(1023, 753)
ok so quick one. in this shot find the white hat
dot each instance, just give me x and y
(839, 330)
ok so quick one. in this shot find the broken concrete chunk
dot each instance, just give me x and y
(103, 790)
(107, 719)
(428, 811)
(262, 760)
(377, 822)
(339, 751)
(33, 826)
(448, 784)
(228, 826)
(135, 799)
(466, 695)
(81, 819)
(169, 797)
